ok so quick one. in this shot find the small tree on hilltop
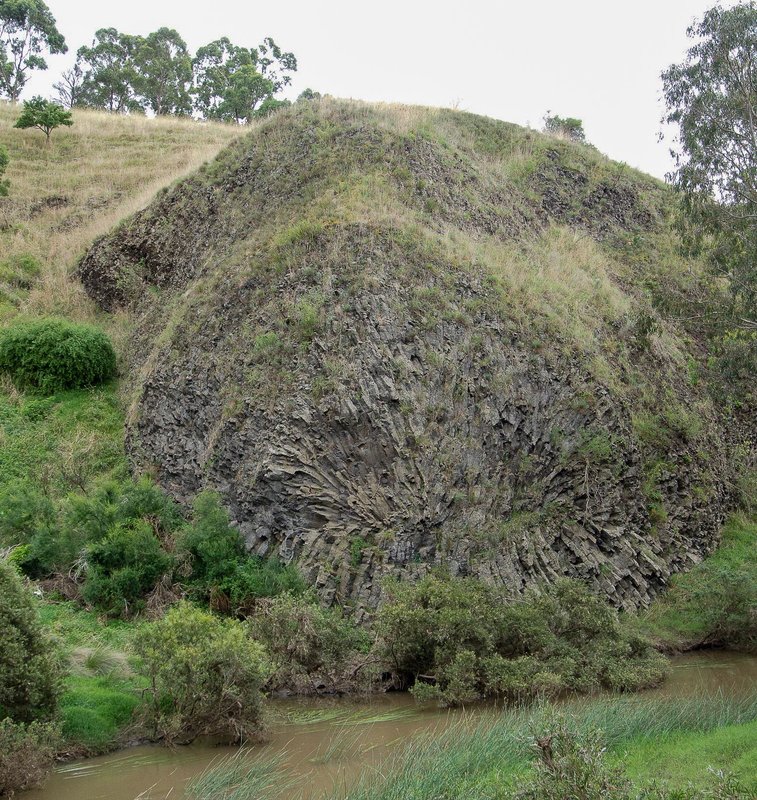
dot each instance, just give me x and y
(569, 127)
(43, 115)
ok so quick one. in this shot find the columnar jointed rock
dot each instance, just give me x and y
(359, 392)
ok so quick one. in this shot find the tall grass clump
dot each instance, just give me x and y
(238, 777)
(49, 355)
(486, 760)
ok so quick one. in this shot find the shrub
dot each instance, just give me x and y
(24, 509)
(254, 579)
(27, 753)
(569, 127)
(52, 355)
(220, 567)
(29, 672)
(205, 676)
(309, 645)
(123, 568)
(214, 547)
(86, 519)
(457, 639)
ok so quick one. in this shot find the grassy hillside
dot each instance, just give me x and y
(91, 176)
(61, 198)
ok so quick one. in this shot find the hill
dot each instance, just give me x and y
(395, 338)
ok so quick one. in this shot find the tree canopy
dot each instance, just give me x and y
(711, 96)
(27, 28)
(232, 83)
(44, 115)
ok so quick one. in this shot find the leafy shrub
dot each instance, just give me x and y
(256, 578)
(27, 753)
(214, 547)
(219, 565)
(85, 519)
(123, 567)
(457, 639)
(24, 509)
(309, 646)
(52, 355)
(205, 676)
(29, 672)
(569, 127)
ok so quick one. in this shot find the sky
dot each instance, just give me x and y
(598, 60)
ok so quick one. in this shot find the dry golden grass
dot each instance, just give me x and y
(91, 176)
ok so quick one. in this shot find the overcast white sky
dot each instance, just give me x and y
(599, 60)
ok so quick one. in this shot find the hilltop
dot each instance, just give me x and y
(395, 338)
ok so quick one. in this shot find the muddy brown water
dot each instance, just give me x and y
(325, 744)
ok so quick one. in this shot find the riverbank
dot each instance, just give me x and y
(324, 746)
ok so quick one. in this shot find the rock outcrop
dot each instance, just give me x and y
(359, 327)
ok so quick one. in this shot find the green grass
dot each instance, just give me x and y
(61, 442)
(95, 711)
(100, 692)
(478, 761)
(684, 616)
(690, 757)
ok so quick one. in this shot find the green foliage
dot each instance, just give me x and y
(305, 641)
(572, 763)
(123, 567)
(24, 509)
(711, 96)
(27, 754)
(109, 73)
(87, 519)
(220, 567)
(467, 640)
(205, 676)
(50, 355)
(27, 28)
(213, 546)
(4, 184)
(29, 673)
(44, 115)
(236, 83)
(163, 72)
(570, 127)
(253, 579)
(716, 602)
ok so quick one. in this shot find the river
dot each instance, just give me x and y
(325, 743)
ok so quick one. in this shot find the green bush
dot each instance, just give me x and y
(213, 546)
(256, 578)
(205, 675)
(29, 672)
(219, 565)
(458, 639)
(308, 645)
(27, 753)
(24, 509)
(123, 567)
(86, 519)
(51, 355)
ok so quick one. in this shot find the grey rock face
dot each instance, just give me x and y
(366, 408)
